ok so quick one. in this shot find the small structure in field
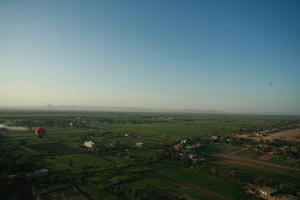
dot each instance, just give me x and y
(126, 135)
(37, 173)
(215, 138)
(139, 144)
(185, 141)
(89, 144)
(259, 134)
(178, 146)
(267, 191)
(192, 156)
(44, 170)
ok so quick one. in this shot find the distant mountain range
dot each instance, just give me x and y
(102, 108)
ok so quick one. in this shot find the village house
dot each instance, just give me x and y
(214, 138)
(262, 191)
(260, 134)
(178, 146)
(89, 144)
(267, 191)
(192, 156)
(37, 173)
(184, 141)
(186, 146)
(187, 149)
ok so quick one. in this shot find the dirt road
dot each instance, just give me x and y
(280, 169)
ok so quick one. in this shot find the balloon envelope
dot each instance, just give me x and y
(40, 132)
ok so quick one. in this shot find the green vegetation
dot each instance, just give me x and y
(200, 167)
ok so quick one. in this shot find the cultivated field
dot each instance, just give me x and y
(179, 156)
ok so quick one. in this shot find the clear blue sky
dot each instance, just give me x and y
(235, 56)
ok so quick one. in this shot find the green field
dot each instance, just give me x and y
(117, 169)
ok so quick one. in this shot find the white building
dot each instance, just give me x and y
(89, 144)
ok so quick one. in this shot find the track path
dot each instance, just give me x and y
(193, 187)
(257, 164)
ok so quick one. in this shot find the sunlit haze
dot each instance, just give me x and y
(234, 56)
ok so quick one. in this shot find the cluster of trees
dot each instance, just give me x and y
(75, 122)
(251, 129)
(279, 147)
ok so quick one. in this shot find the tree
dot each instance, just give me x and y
(71, 163)
(260, 180)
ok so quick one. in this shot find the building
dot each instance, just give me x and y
(185, 141)
(139, 144)
(38, 173)
(89, 144)
(214, 138)
(259, 134)
(192, 156)
(178, 146)
(267, 191)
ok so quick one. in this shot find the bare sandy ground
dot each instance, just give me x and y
(265, 157)
(292, 135)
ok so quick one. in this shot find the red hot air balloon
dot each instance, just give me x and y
(40, 132)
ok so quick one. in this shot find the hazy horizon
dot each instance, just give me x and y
(91, 108)
(234, 56)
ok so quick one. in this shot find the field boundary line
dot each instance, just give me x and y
(193, 187)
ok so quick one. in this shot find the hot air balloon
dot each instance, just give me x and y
(40, 132)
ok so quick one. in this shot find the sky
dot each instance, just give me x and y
(230, 55)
